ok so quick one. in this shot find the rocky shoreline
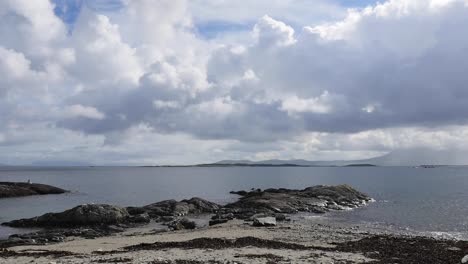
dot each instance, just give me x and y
(255, 229)
(18, 189)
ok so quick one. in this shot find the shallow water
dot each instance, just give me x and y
(430, 200)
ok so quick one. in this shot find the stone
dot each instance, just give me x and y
(17, 189)
(182, 208)
(280, 217)
(218, 221)
(83, 215)
(264, 221)
(181, 224)
(141, 218)
(464, 259)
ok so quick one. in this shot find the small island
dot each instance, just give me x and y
(361, 165)
(18, 189)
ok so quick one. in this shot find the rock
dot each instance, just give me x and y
(135, 210)
(241, 193)
(184, 207)
(167, 218)
(317, 199)
(464, 259)
(83, 215)
(16, 189)
(141, 218)
(218, 221)
(182, 224)
(264, 221)
(280, 217)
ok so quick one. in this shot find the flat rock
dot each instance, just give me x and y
(17, 189)
(83, 215)
(264, 221)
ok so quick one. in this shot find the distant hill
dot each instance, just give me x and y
(405, 157)
(280, 163)
(60, 163)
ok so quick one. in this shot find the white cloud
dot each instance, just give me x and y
(270, 32)
(362, 83)
(84, 111)
(13, 65)
(159, 104)
(319, 105)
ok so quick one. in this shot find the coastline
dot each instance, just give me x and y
(250, 230)
(236, 242)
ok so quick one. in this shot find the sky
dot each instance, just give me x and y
(142, 82)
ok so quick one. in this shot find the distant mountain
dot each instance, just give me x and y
(405, 157)
(298, 162)
(60, 163)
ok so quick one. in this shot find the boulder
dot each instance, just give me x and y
(17, 189)
(181, 224)
(264, 221)
(182, 208)
(83, 215)
(218, 221)
(141, 218)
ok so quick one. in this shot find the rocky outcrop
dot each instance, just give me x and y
(17, 189)
(83, 215)
(172, 208)
(317, 199)
(265, 208)
(181, 224)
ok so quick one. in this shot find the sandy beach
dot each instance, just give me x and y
(237, 242)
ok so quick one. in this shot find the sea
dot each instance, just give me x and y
(426, 200)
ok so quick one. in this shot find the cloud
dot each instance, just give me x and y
(84, 111)
(364, 82)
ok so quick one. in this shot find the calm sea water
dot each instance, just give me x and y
(430, 200)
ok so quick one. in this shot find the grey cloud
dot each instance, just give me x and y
(376, 69)
(401, 85)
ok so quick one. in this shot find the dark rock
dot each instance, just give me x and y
(16, 189)
(317, 199)
(167, 218)
(218, 221)
(221, 215)
(135, 210)
(264, 221)
(83, 215)
(182, 224)
(280, 217)
(184, 207)
(141, 218)
(59, 235)
(241, 193)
